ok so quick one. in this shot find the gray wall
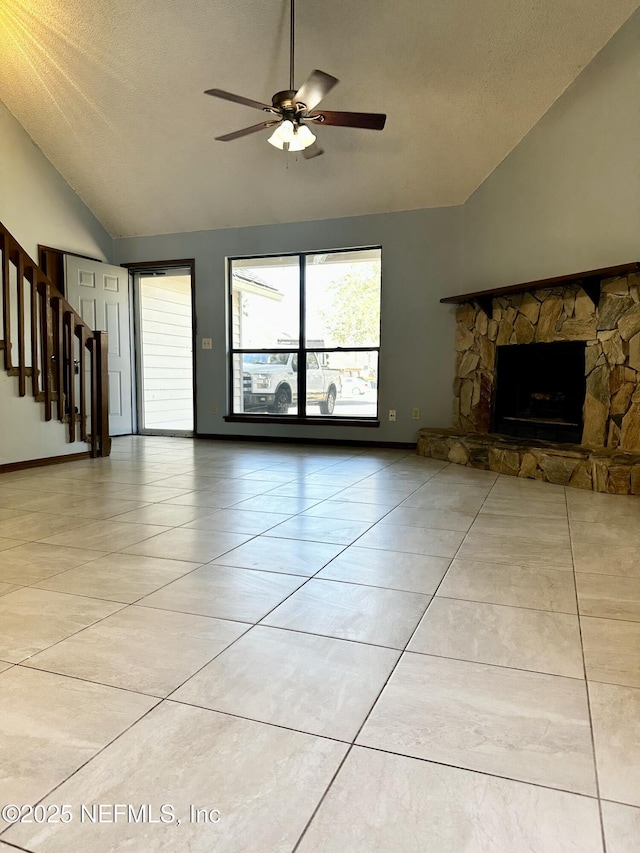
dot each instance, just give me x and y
(37, 205)
(419, 258)
(567, 198)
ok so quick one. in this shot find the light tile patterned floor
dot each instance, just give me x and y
(327, 649)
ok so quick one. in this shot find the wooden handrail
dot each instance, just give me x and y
(60, 346)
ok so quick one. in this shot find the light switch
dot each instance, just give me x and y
(207, 343)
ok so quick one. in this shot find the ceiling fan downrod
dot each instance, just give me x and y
(292, 42)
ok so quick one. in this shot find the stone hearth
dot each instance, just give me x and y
(608, 455)
(598, 470)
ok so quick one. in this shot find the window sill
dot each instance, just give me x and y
(294, 419)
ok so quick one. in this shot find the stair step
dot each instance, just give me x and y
(40, 398)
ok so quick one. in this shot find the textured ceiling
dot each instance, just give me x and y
(112, 92)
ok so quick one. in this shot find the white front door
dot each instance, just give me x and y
(100, 294)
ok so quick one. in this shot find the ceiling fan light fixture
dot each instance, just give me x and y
(289, 109)
(292, 137)
(283, 134)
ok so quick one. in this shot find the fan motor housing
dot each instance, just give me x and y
(284, 101)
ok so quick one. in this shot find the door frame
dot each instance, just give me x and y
(142, 267)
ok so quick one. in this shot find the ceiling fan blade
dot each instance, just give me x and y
(237, 99)
(312, 151)
(314, 89)
(367, 121)
(228, 137)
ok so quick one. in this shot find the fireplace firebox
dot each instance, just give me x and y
(540, 391)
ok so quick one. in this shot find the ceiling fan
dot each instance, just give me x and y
(292, 112)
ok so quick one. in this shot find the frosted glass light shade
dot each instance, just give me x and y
(296, 138)
(305, 136)
(283, 133)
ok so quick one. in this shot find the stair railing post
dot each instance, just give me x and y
(70, 373)
(82, 380)
(58, 353)
(46, 343)
(18, 262)
(32, 278)
(6, 299)
(102, 393)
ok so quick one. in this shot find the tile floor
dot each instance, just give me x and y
(266, 648)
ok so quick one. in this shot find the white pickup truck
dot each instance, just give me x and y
(271, 380)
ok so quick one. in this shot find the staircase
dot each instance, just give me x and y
(51, 351)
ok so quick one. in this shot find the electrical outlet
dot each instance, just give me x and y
(207, 343)
(415, 414)
(392, 414)
(214, 409)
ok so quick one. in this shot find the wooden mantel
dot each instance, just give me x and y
(590, 281)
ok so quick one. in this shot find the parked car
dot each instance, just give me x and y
(270, 380)
(354, 386)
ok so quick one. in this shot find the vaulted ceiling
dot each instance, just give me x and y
(112, 92)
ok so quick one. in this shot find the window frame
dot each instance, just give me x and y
(301, 417)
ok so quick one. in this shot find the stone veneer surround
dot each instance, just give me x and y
(608, 458)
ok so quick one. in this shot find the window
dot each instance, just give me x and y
(320, 310)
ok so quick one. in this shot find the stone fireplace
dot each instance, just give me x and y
(550, 372)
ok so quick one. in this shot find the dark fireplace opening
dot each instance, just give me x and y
(540, 390)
